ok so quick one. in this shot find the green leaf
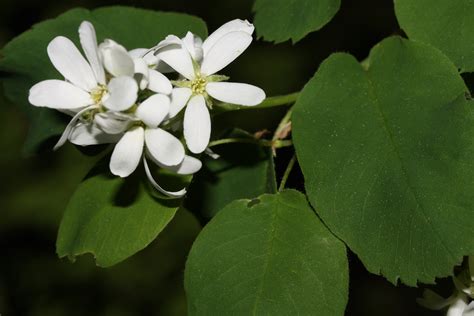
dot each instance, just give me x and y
(112, 218)
(445, 24)
(242, 171)
(280, 20)
(26, 58)
(387, 158)
(269, 256)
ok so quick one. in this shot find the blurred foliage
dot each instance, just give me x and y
(35, 191)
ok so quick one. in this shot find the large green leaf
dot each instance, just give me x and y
(112, 218)
(269, 256)
(446, 24)
(242, 171)
(387, 158)
(26, 58)
(281, 20)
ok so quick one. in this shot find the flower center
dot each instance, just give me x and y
(98, 93)
(198, 85)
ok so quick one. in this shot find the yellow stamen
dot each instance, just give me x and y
(98, 93)
(198, 85)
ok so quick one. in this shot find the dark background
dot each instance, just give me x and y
(35, 190)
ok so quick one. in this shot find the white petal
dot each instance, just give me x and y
(89, 45)
(146, 54)
(67, 59)
(127, 153)
(122, 93)
(193, 45)
(236, 93)
(457, 308)
(159, 83)
(173, 194)
(141, 72)
(190, 165)
(180, 60)
(469, 311)
(116, 59)
(224, 51)
(231, 26)
(111, 123)
(153, 110)
(138, 52)
(164, 147)
(58, 94)
(89, 134)
(122, 116)
(197, 124)
(70, 126)
(179, 98)
(170, 42)
(163, 67)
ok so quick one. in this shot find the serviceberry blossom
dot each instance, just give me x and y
(119, 96)
(145, 139)
(85, 88)
(198, 62)
(115, 96)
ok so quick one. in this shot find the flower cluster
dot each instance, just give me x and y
(123, 97)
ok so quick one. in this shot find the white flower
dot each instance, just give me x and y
(142, 139)
(138, 137)
(461, 307)
(84, 88)
(198, 62)
(140, 142)
(111, 111)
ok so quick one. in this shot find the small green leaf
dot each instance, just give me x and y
(281, 20)
(26, 59)
(269, 256)
(242, 171)
(445, 24)
(112, 218)
(387, 158)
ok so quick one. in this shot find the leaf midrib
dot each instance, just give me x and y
(412, 190)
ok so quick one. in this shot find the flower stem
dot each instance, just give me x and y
(279, 100)
(287, 173)
(267, 103)
(260, 142)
